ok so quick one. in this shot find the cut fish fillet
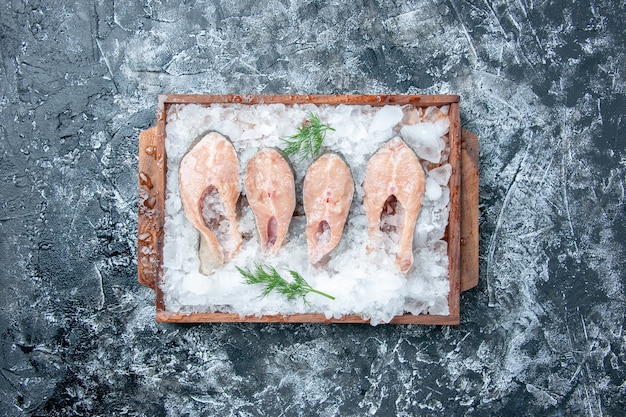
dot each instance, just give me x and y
(394, 188)
(328, 190)
(271, 193)
(209, 185)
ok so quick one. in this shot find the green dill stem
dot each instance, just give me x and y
(307, 142)
(322, 293)
(268, 276)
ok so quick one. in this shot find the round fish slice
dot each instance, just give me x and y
(271, 193)
(209, 185)
(327, 194)
(394, 188)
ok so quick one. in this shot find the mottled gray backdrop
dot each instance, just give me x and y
(542, 82)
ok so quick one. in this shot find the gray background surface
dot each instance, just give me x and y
(541, 82)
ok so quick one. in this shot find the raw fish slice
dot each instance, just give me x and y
(271, 193)
(328, 189)
(209, 188)
(394, 187)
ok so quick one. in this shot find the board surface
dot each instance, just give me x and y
(462, 232)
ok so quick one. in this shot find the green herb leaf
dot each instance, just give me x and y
(271, 279)
(307, 142)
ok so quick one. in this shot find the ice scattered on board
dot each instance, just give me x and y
(366, 284)
(426, 137)
(433, 189)
(384, 121)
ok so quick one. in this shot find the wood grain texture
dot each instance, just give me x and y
(373, 100)
(454, 221)
(169, 317)
(469, 209)
(150, 207)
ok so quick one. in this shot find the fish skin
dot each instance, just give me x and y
(327, 195)
(394, 170)
(212, 164)
(271, 192)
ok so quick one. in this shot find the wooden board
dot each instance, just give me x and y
(150, 207)
(462, 226)
(469, 210)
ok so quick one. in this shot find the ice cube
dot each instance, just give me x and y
(441, 175)
(381, 136)
(424, 139)
(386, 118)
(433, 189)
(443, 199)
(230, 130)
(412, 115)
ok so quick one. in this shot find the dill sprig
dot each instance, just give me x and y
(307, 142)
(267, 275)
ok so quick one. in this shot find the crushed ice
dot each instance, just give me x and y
(363, 283)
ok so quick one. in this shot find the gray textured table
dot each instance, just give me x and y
(541, 82)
